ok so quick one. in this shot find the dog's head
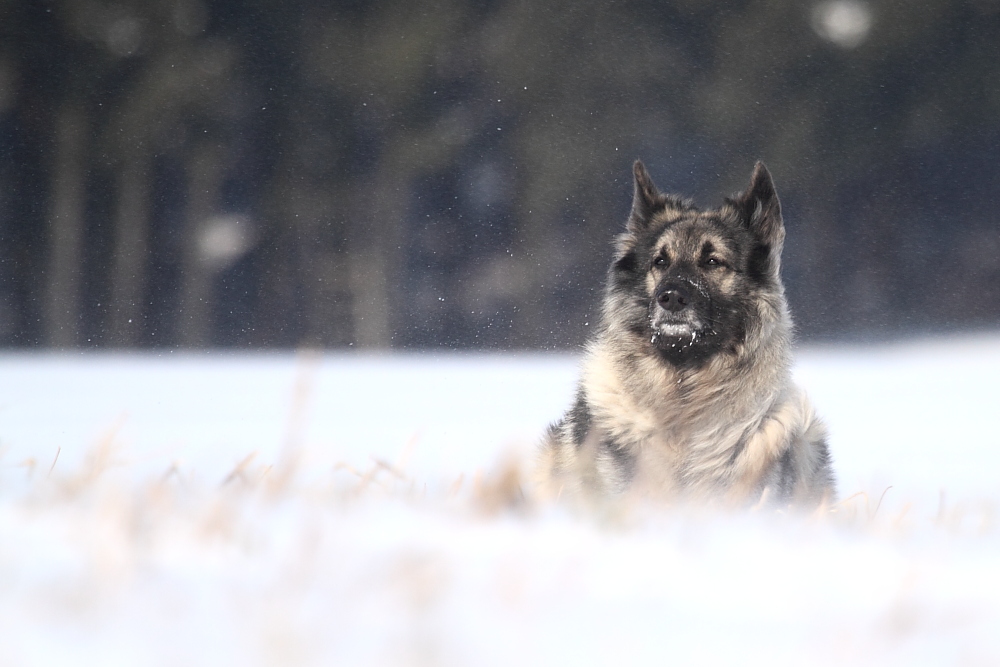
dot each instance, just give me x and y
(695, 283)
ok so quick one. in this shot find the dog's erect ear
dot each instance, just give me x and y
(647, 200)
(759, 210)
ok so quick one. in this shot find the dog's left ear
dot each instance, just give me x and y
(758, 207)
(759, 210)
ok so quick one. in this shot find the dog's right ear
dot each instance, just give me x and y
(647, 200)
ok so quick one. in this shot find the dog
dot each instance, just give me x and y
(685, 392)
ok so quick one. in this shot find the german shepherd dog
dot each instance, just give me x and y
(685, 392)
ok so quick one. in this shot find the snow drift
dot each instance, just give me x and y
(325, 509)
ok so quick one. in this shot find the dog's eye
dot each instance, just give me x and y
(660, 261)
(714, 262)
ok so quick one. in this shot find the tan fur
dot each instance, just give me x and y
(671, 421)
(719, 431)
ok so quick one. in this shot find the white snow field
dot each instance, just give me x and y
(223, 509)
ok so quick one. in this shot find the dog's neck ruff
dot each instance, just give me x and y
(744, 380)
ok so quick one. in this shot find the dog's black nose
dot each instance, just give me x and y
(673, 298)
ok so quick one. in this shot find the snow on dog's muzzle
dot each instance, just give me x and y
(673, 311)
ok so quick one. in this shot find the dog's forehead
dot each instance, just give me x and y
(689, 233)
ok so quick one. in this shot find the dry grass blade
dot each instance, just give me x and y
(239, 472)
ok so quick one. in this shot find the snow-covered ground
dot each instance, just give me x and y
(339, 510)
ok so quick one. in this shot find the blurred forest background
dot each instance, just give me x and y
(409, 174)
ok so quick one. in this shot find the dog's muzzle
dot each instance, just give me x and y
(672, 313)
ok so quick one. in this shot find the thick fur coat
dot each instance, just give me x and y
(685, 392)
